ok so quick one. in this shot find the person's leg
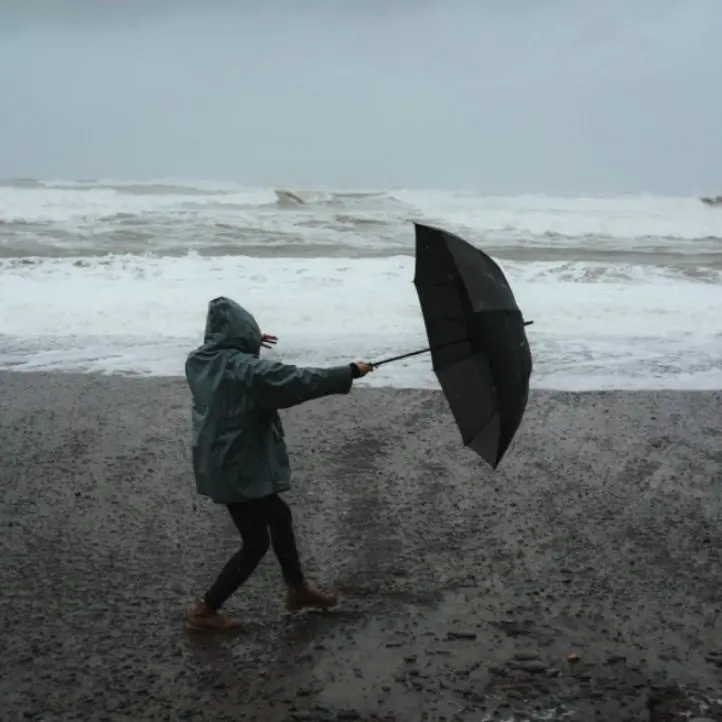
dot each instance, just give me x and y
(283, 539)
(300, 593)
(250, 520)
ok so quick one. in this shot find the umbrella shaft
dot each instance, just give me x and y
(402, 356)
(376, 364)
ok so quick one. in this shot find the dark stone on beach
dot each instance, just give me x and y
(347, 715)
(460, 635)
(514, 628)
(715, 658)
(526, 656)
(615, 659)
(499, 671)
(533, 666)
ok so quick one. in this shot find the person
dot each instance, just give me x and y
(239, 454)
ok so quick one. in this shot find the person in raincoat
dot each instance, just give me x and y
(240, 457)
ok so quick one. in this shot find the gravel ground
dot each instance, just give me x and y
(464, 591)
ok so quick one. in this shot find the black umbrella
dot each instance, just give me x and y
(477, 340)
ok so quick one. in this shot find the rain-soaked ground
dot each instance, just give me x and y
(579, 582)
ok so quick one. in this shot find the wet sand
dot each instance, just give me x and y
(464, 591)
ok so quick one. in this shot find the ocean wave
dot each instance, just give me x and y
(97, 218)
(536, 272)
(638, 324)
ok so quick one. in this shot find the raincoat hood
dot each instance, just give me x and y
(229, 325)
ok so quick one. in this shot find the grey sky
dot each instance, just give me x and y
(501, 96)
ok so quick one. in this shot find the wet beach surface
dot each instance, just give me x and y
(464, 592)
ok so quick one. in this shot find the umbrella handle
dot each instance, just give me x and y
(391, 359)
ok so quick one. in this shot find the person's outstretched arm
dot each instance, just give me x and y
(278, 386)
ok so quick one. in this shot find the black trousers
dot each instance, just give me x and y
(262, 523)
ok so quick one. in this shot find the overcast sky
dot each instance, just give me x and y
(495, 95)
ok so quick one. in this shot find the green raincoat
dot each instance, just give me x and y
(239, 450)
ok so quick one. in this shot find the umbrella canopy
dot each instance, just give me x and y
(479, 347)
(477, 340)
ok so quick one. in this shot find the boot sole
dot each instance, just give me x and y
(196, 629)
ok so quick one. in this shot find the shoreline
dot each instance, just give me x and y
(463, 590)
(166, 378)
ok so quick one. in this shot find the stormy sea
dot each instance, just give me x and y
(114, 277)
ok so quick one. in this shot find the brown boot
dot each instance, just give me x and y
(201, 619)
(304, 595)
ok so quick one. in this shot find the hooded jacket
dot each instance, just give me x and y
(239, 450)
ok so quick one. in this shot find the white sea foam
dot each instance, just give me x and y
(624, 327)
